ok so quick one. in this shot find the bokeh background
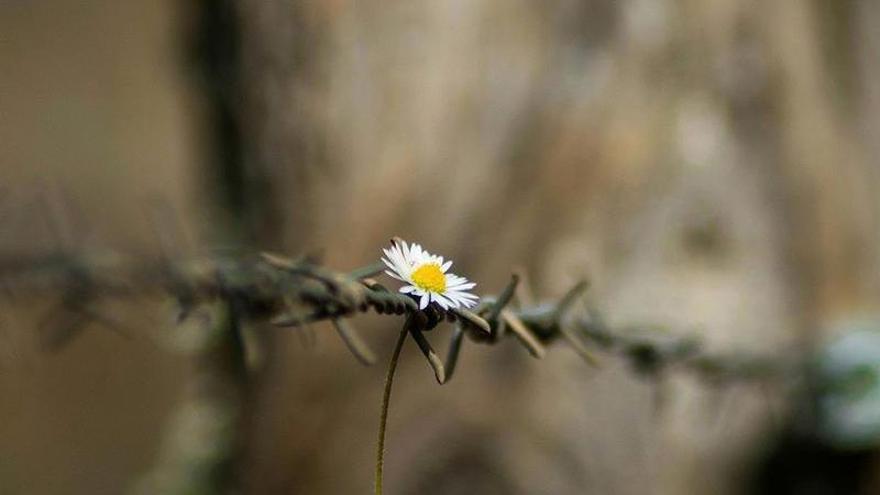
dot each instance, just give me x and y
(710, 166)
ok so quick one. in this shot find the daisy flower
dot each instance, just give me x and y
(426, 276)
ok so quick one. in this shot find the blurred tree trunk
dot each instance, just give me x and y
(242, 61)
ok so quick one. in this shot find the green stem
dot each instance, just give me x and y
(386, 400)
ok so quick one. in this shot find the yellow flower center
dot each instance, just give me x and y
(430, 278)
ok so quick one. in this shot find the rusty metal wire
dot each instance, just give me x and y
(288, 292)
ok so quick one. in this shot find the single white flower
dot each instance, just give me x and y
(426, 276)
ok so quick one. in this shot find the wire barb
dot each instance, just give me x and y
(353, 341)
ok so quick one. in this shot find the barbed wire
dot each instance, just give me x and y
(292, 292)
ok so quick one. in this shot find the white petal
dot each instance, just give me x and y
(406, 289)
(455, 290)
(467, 286)
(402, 267)
(424, 302)
(457, 295)
(466, 295)
(461, 296)
(467, 300)
(400, 252)
(445, 266)
(391, 252)
(443, 302)
(394, 275)
(398, 258)
(404, 251)
(390, 257)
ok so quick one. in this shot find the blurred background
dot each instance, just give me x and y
(710, 166)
